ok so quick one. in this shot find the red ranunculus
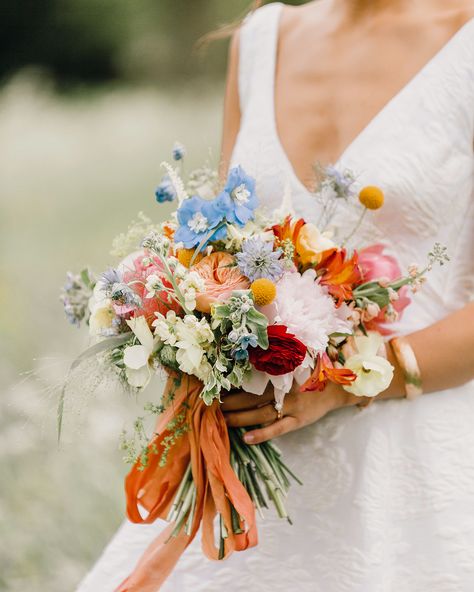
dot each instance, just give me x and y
(284, 353)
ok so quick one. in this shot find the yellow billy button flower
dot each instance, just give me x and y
(263, 291)
(371, 197)
(185, 256)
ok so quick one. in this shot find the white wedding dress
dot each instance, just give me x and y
(388, 498)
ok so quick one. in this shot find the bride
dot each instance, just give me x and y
(384, 88)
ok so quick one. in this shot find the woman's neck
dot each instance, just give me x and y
(355, 9)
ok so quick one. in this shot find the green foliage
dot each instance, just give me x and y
(257, 323)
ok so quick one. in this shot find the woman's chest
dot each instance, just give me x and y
(328, 95)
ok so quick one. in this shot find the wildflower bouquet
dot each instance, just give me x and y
(223, 296)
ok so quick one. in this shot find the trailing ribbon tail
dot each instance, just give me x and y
(206, 446)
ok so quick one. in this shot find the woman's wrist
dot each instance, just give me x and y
(336, 397)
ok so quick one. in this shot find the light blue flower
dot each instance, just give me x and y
(240, 355)
(238, 200)
(341, 182)
(240, 350)
(165, 190)
(197, 217)
(258, 260)
(179, 151)
(249, 340)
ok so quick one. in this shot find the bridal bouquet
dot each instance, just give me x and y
(223, 296)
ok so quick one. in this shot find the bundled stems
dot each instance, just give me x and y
(261, 471)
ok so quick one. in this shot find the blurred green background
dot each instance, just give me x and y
(93, 95)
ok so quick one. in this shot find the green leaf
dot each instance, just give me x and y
(262, 337)
(381, 297)
(256, 317)
(85, 277)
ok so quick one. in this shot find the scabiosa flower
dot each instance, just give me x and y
(165, 191)
(109, 278)
(258, 260)
(179, 151)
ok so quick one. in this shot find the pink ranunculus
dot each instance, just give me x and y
(141, 268)
(376, 265)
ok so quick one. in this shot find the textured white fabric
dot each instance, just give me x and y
(388, 498)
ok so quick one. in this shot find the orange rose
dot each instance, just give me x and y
(311, 243)
(221, 278)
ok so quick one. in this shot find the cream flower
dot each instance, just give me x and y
(311, 243)
(374, 372)
(165, 327)
(137, 358)
(192, 285)
(102, 317)
(153, 285)
(193, 339)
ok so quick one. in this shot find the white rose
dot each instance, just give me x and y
(374, 372)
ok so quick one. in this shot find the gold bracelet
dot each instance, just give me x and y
(407, 361)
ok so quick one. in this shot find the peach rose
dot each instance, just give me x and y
(311, 243)
(221, 278)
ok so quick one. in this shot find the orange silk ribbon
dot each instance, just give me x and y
(206, 445)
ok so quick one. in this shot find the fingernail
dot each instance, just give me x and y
(249, 438)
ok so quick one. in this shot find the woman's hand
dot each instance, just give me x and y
(299, 410)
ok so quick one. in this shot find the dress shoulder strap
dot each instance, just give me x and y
(257, 57)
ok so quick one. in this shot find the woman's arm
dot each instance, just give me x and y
(445, 355)
(231, 123)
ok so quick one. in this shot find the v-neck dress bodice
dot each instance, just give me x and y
(418, 148)
(387, 503)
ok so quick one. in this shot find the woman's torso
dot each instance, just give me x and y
(418, 148)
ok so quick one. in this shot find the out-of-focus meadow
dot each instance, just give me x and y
(73, 174)
(93, 96)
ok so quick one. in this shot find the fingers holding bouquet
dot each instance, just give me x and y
(299, 409)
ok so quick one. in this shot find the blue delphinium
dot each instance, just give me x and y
(165, 190)
(197, 218)
(179, 151)
(258, 260)
(238, 200)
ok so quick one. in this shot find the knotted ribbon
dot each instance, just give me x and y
(206, 445)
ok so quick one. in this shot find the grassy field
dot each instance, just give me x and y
(73, 172)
